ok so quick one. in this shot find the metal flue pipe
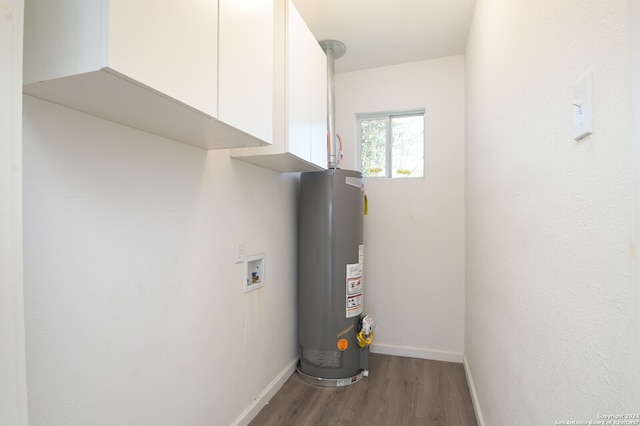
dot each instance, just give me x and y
(334, 50)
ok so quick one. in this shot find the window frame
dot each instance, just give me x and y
(387, 116)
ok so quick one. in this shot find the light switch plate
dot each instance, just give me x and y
(239, 251)
(583, 107)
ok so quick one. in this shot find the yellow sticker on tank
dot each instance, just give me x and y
(343, 344)
(366, 205)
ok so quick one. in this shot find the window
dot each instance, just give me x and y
(392, 144)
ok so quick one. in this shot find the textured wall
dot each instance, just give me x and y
(135, 312)
(414, 233)
(549, 286)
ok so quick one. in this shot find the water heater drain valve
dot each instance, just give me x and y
(365, 336)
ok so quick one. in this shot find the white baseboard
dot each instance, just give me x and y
(265, 396)
(422, 353)
(474, 394)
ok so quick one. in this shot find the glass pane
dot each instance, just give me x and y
(373, 134)
(407, 146)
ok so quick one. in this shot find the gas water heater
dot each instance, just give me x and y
(333, 336)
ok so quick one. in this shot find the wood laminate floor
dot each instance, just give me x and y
(398, 391)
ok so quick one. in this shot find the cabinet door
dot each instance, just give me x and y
(168, 45)
(245, 56)
(318, 74)
(299, 81)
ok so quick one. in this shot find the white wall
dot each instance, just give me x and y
(13, 390)
(414, 233)
(549, 309)
(134, 306)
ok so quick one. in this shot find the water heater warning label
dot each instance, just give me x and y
(354, 289)
(355, 285)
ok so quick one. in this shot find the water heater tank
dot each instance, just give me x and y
(330, 286)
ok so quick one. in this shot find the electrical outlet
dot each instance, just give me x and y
(239, 251)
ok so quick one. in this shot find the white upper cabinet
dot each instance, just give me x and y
(300, 99)
(151, 64)
(167, 45)
(246, 66)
